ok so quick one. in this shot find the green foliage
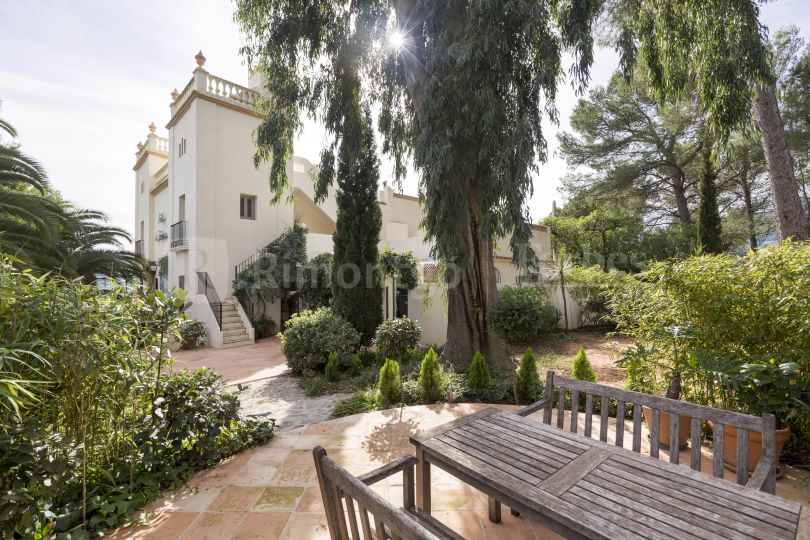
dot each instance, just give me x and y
(390, 384)
(331, 371)
(316, 284)
(360, 402)
(582, 369)
(691, 51)
(264, 327)
(313, 386)
(708, 213)
(395, 337)
(267, 279)
(402, 267)
(527, 380)
(522, 315)
(193, 329)
(590, 287)
(478, 377)
(356, 280)
(98, 429)
(743, 310)
(431, 380)
(356, 365)
(310, 336)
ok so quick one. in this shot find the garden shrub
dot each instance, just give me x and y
(693, 316)
(390, 385)
(582, 369)
(522, 314)
(430, 380)
(310, 336)
(356, 365)
(331, 371)
(103, 415)
(395, 337)
(313, 386)
(192, 334)
(527, 380)
(478, 377)
(264, 327)
(360, 402)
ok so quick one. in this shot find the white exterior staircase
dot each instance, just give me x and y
(234, 333)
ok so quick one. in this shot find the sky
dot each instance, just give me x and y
(81, 80)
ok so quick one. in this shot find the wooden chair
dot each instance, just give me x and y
(365, 511)
(764, 476)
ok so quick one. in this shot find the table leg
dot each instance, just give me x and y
(422, 482)
(494, 511)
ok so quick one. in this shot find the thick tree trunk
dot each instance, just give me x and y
(749, 212)
(790, 218)
(470, 294)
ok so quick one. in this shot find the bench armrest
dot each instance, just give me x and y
(387, 470)
(764, 476)
(534, 407)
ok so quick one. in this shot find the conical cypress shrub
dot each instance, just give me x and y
(583, 370)
(478, 377)
(430, 377)
(331, 371)
(527, 383)
(390, 384)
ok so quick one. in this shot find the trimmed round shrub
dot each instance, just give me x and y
(527, 381)
(390, 383)
(478, 377)
(522, 315)
(395, 337)
(431, 381)
(583, 370)
(312, 334)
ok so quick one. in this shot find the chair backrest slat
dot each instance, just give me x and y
(561, 408)
(588, 414)
(717, 458)
(636, 428)
(696, 433)
(352, 517)
(620, 423)
(742, 456)
(574, 410)
(674, 438)
(655, 433)
(604, 406)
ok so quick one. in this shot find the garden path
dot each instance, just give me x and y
(268, 389)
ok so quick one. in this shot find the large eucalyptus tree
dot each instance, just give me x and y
(461, 87)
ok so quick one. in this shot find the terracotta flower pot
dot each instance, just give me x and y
(189, 343)
(754, 447)
(663, 434)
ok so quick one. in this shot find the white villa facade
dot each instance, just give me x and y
(203, 207)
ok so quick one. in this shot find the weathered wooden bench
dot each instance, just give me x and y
(353, 507)
(557, 388)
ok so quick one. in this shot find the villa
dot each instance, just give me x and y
(202, 208)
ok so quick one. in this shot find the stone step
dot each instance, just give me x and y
(231, 325)
(242, 339)
(237, 344)
(226, 318)
(234, 332)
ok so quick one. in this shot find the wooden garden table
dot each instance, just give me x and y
(584, 488)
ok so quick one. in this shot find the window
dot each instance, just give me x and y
(181, 282)
(247, 206)
(181, 147)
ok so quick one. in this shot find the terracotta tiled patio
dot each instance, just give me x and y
(271, 492)
(237, 365)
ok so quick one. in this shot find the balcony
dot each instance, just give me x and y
(139, 247)
(179, 236)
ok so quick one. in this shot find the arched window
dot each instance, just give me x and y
(497, 276)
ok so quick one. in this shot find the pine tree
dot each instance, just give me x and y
(708, 214)
(357, 231)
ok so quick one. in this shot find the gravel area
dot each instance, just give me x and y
(281, 398)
